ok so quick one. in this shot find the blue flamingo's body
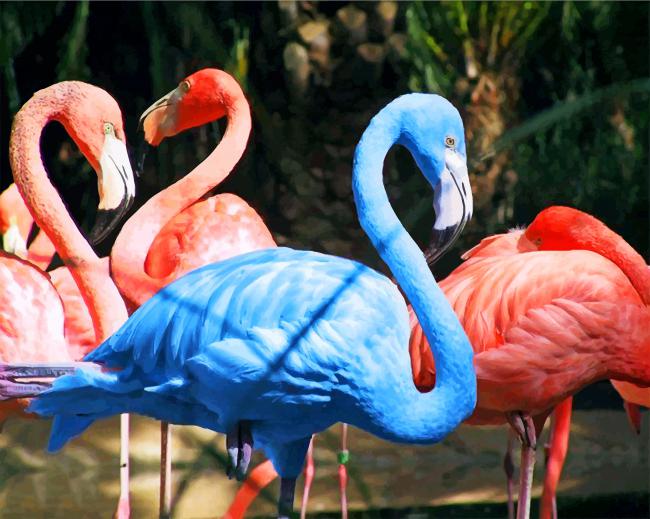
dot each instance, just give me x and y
(293, 341)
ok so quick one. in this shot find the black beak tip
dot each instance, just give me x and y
(441, 240)
(106, 220)
(138, 155)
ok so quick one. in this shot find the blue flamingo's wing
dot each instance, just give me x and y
(291, 329)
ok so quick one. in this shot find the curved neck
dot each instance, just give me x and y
(610, 245)
(100, 294)
(423, 417)
(132, 245)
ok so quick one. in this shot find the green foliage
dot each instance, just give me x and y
(73, 47)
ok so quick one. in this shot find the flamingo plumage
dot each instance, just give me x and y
(216, 349)
(94, 121)
(563, 319)
(180, 229)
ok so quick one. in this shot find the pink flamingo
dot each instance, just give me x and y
(94, 121)
(566, 316)
(179, 229)
(563, 318)
(15, 225)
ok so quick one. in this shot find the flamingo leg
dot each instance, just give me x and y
(285, 503)
(555, 451)
(239, 444)
(524, 426)
(165, 470)
(124, 505)
(309, 478)
(509, 468)
(344, 456)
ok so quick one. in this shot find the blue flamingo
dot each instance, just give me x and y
(275, 345)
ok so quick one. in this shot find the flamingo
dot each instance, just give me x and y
(180, 229)
(275, 345)
(556, 314)
(32, 318)
(185, 229)
(564, 318)
(15, 225)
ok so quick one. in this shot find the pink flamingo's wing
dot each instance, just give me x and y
(31, 316)
(541, 325)
(210, 230)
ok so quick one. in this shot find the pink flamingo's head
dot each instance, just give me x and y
(202, 97)
(94, 121)
(565, 228)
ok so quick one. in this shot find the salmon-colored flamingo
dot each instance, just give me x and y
(32, 326)
(544, 321)
(179, 229)
(15, 224)
(566, 316)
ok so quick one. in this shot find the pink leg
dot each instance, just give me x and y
(509, 468)
(344, 456)
(165, 470)
(124, 506)
(556, 451)
(309, 478)
(523, 425)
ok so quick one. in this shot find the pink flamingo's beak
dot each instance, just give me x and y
(115, 184)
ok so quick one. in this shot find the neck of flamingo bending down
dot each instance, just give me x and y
(132, 245)
(406, 414)
(617, 250)
(106, 307)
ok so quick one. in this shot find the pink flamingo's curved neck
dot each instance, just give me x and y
(602, 240)
(132, 245)
(57, 103)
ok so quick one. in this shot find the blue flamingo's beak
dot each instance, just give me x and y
(453, 203)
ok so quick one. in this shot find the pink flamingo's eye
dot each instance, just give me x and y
(184, 86)
(109, 129)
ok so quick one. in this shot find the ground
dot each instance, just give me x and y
(606, 462)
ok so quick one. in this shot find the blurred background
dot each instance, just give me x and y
(556, 102)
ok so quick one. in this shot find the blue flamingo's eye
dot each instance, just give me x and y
(450, 142)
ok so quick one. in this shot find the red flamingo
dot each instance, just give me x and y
(180, 229)
(545, 318)
(569, 313)
(32, 326)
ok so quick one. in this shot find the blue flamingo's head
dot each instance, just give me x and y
(432, 129)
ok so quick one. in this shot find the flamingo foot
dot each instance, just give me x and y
(123, 509)
(239, 444)
(285, 503)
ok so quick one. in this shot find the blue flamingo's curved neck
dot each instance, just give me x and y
(424, 418)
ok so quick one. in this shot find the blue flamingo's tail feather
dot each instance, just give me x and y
(64, 428)
(27, 380)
